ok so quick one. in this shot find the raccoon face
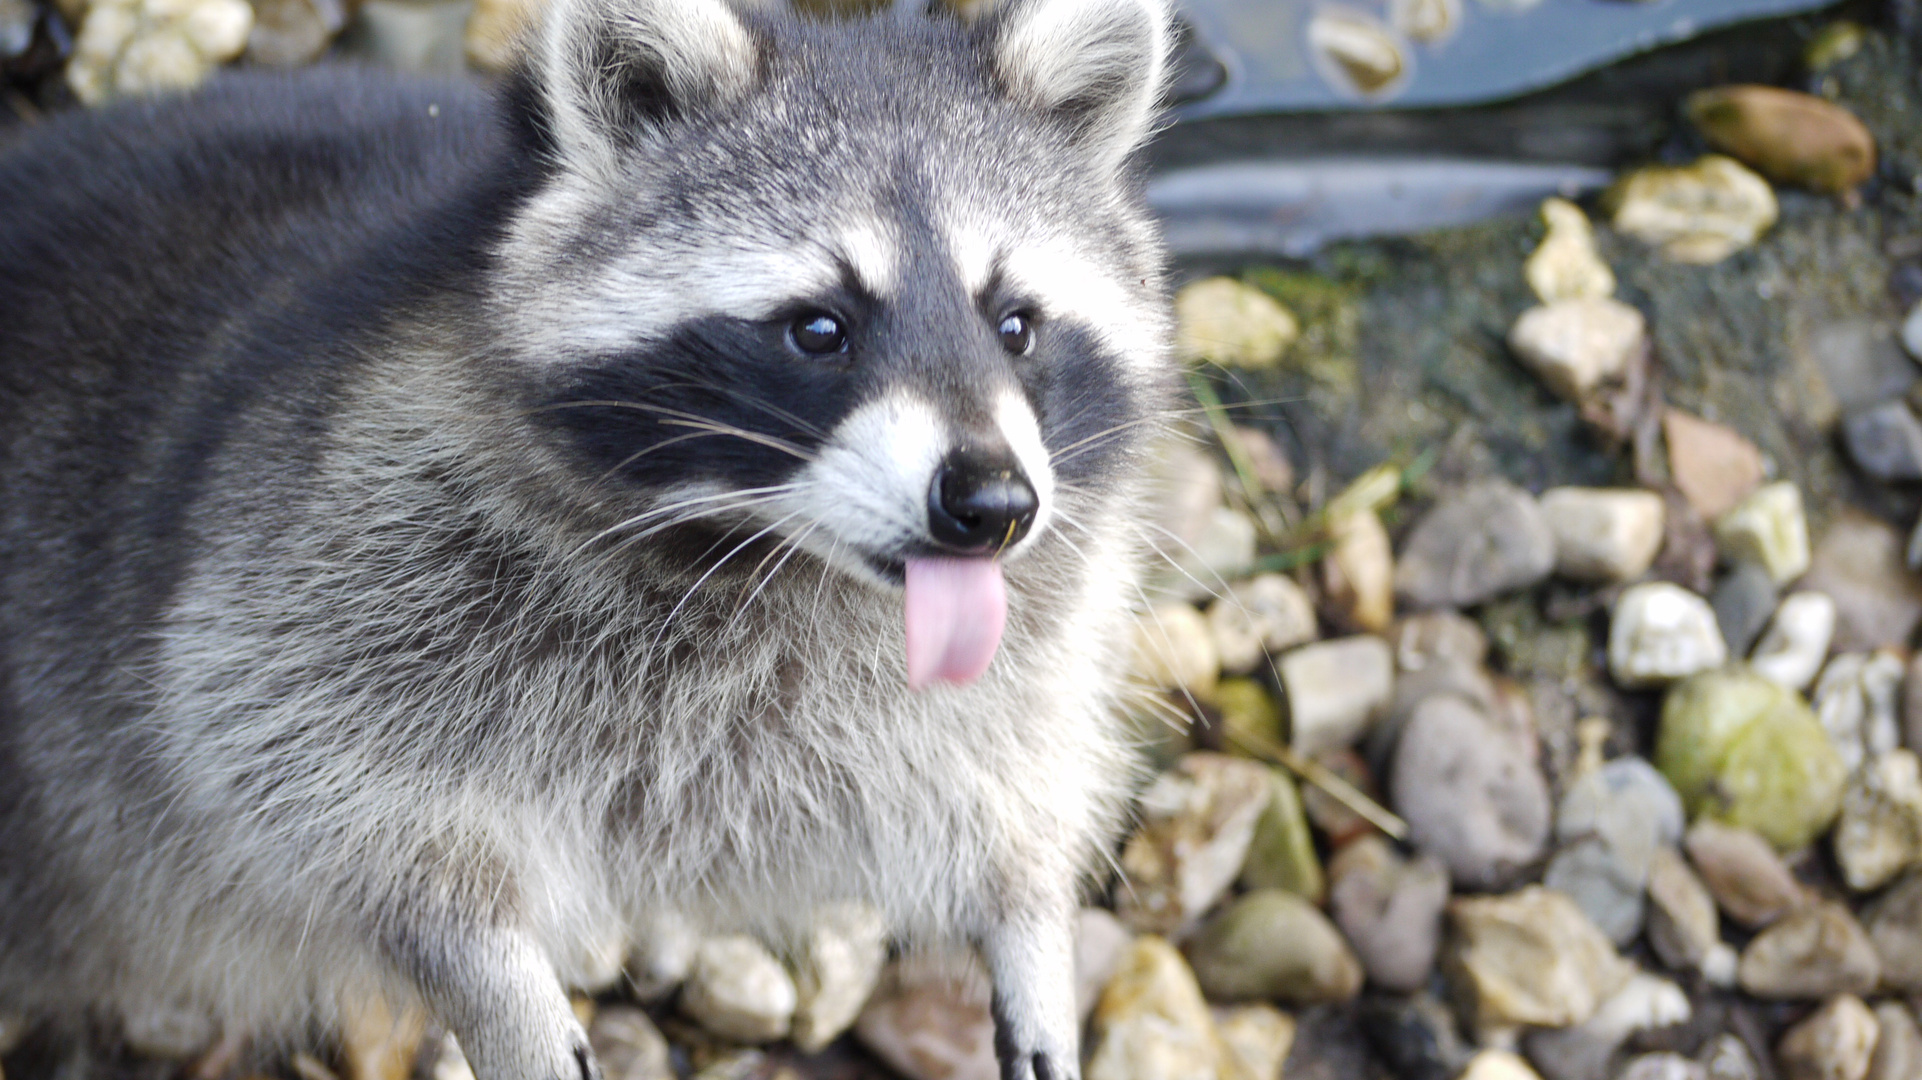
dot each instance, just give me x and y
(881, 291)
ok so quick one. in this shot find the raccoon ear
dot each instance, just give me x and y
(608, 72)
(1099, 63)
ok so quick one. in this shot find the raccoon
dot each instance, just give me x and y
(442, 527)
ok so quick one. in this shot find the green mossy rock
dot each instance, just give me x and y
(1282, 855)
(1742, 750)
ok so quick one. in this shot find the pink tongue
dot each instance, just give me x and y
(955, 610)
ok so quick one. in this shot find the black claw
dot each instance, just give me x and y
(1043, 1067)
(584, 1063)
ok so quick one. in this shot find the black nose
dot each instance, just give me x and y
(980, 503)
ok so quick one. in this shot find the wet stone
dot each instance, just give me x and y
(1566, 265)
(1743, 601)
(1885, 440)
(1603, 535)
(1797, 643)
(1714, 467)
(1837, 1042)
(1859, 564)
(1770, 529)
(1789, 137)
(1577, 345)
(1473, 796)
(1273, 945)
(1811, 953)
(1585, 1050)
(1532, 957)
(1699, 213)
(1335, 689)
(1232, 324)
(1857, 699)
(1263, 616)
(1745, 751)
(1391, 910)
(1895, 926)
(628, 1045)
(1659, 633)
(1742, 871)
(1197, 822)
(738, 990)
(287, 33)
(1487, 540)
(1152, 1023)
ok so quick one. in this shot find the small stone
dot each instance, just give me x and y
(1749, 881)
(1895, 926)
(1837, 1042)
(1856, 700)
(1187, 489)
(1498, 1065)
(1727, 1057)
(129, 47)
(1811, 953)
(1712, 466)
(1797, 642)
(1699, 213)
(1683, 926)
(1743, 750)
(628, 1045)
(839, 963)
(1612, 822)
(1663, 1066)
(1222, 551)
(498, 30)
(1532, 957)
(1566, 265)
(1583, 1051)
(739, 991)
(1577, 345)
(1174, 650)
(425, 37)
(1255, 1040)
(1859, 564)
(1358, 572)
(1659, 633)
(288, 33)
(1743, 600)
(1270, 465)
(1912, 332)
(449, 1063)
(930, 1024)
(1414, 1035)
(1898, 1048)
(665, 942)
(1885, 440)
(1282, 855)
(376, 1041)
(1357, 53)
(1833, 44)
(1272, 944)
(1770, 529)
(1264, 616)
(1472, 796)
(1429, 22)
(1442, 636)
(1391, 910)
(1232, 324)
(1487, 540)
(1789, 137)
(1337, 822)
(1602, 534)
(1151, 1022)
(1250, 715)
(1197, 822)
(1335, 689)
(1101, 943)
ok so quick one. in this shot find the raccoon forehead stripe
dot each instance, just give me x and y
(1070, 284)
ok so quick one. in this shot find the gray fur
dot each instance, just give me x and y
(335, 659)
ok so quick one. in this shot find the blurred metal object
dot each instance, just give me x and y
(1265, 53)
(1293, 207)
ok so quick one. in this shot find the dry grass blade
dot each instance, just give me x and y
(1314, 773)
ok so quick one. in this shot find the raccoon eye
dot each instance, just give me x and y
(818, 334)
(1017, 334)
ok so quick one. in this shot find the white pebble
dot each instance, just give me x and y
(1912, 332)
(1768, 528)
(1797, 640)
(739, 991)
(1857, 700)
(1661, 632)
(1335, 688)
(1576, 345)
(1604, 534)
